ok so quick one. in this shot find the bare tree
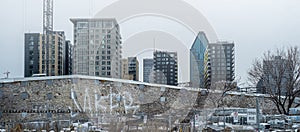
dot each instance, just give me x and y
(279, 75)
(217, 100)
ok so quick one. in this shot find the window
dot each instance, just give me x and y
(31, 43)
(31, 53)
(108, 73)
(103, 73)
(108, 24)
(103, 62)
(108, 68)
(92, 24)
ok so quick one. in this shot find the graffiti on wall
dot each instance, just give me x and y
(97, 102)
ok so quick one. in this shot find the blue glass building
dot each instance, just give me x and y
(197, 53)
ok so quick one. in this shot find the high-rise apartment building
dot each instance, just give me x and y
(130, 68)
(275, 76)
(148, 70)
(97, 47)
(37, 62)
(31, 54)
(52, 63)
(197, 53)
(46, 53)
(165, 68)
(68, 58)
(219, 63)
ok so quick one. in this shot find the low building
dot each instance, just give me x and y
(148, 70)
(130, 68)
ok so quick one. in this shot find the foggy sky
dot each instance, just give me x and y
(254, 25)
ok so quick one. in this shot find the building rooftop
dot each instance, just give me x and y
(74, 20)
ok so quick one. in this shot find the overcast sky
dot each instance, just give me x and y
(254, 25)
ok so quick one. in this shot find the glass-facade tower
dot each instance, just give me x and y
(197, 53)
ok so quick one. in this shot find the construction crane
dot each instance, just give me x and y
(47, 33)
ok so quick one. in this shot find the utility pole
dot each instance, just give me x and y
(257, 113)
(6, 73)
(224, 117)
(194, 126)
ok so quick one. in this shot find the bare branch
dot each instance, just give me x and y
(279, 72)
